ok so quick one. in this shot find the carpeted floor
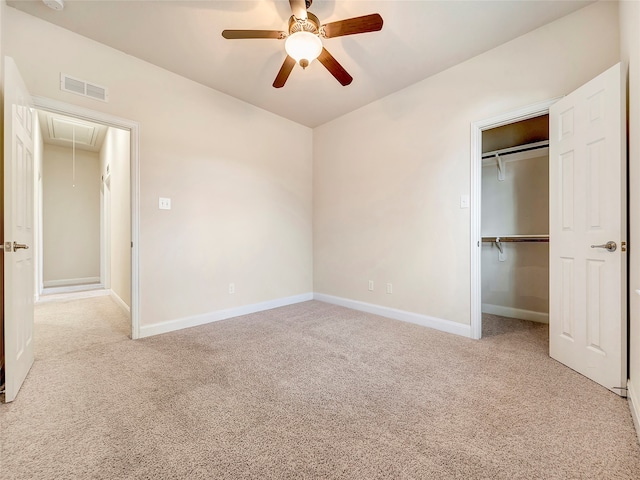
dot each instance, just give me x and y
(310, 391)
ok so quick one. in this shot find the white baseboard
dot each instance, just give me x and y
(634, 406)
(67, 296)
(121, 303)
(515, 313)
(70, 289)
(194, 321)
(424, 320)
(65, 282)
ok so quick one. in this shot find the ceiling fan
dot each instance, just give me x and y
(303, 39)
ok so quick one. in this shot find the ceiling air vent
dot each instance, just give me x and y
(80, 87)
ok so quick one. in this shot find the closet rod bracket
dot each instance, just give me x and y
(501, 168)
(501, 256)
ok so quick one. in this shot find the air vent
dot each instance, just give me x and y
(81, 87)
(94, 91)
(75, 86)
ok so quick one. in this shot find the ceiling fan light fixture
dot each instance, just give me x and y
(303, 47)
(54, 4)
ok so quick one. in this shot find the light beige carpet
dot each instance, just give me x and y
(311, 391)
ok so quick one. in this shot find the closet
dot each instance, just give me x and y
(515, 220)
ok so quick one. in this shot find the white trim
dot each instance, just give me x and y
(194, 321)
(634, 406)
(56, 106)
(121, 303)
(71, 288)
(410, 317)
(38, 220)
(477, 128)
(71, 281)
(519, 313)
(65, 297)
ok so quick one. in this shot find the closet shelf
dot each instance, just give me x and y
(517, 238)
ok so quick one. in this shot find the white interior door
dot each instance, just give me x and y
(18, 230)
(587, 209)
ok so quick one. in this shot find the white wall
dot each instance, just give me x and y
(518, 286)
(630, 52)
(115, 153)
(71, 217)
(238, 176)
(388, 177)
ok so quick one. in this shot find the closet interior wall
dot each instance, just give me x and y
(71, 216)
(515, 276)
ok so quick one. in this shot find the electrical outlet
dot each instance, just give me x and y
(371, 285)
(232, 288)
(389, 288)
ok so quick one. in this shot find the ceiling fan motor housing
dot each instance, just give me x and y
(311, 24)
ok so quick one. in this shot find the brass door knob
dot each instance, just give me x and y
(17, 246)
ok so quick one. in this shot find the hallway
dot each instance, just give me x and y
(66, 326)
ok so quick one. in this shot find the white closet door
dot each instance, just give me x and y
(587, 178)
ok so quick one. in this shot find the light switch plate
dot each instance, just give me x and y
(164, 203)
(464, 201)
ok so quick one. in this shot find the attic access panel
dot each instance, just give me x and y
(67, 130)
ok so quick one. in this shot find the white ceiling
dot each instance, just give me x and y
(419, 38)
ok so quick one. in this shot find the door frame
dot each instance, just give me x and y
(55, 106)
(524, 113)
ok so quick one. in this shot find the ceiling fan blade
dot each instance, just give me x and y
(299, 9)
(331, 64)
(284, 72)
(239, 34)
(351, 26)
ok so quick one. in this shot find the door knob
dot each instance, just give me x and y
(17, 246)
(609, 246)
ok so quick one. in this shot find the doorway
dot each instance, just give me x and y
(477, 130)
(515, 225)
(115, 221)
(74, 164)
